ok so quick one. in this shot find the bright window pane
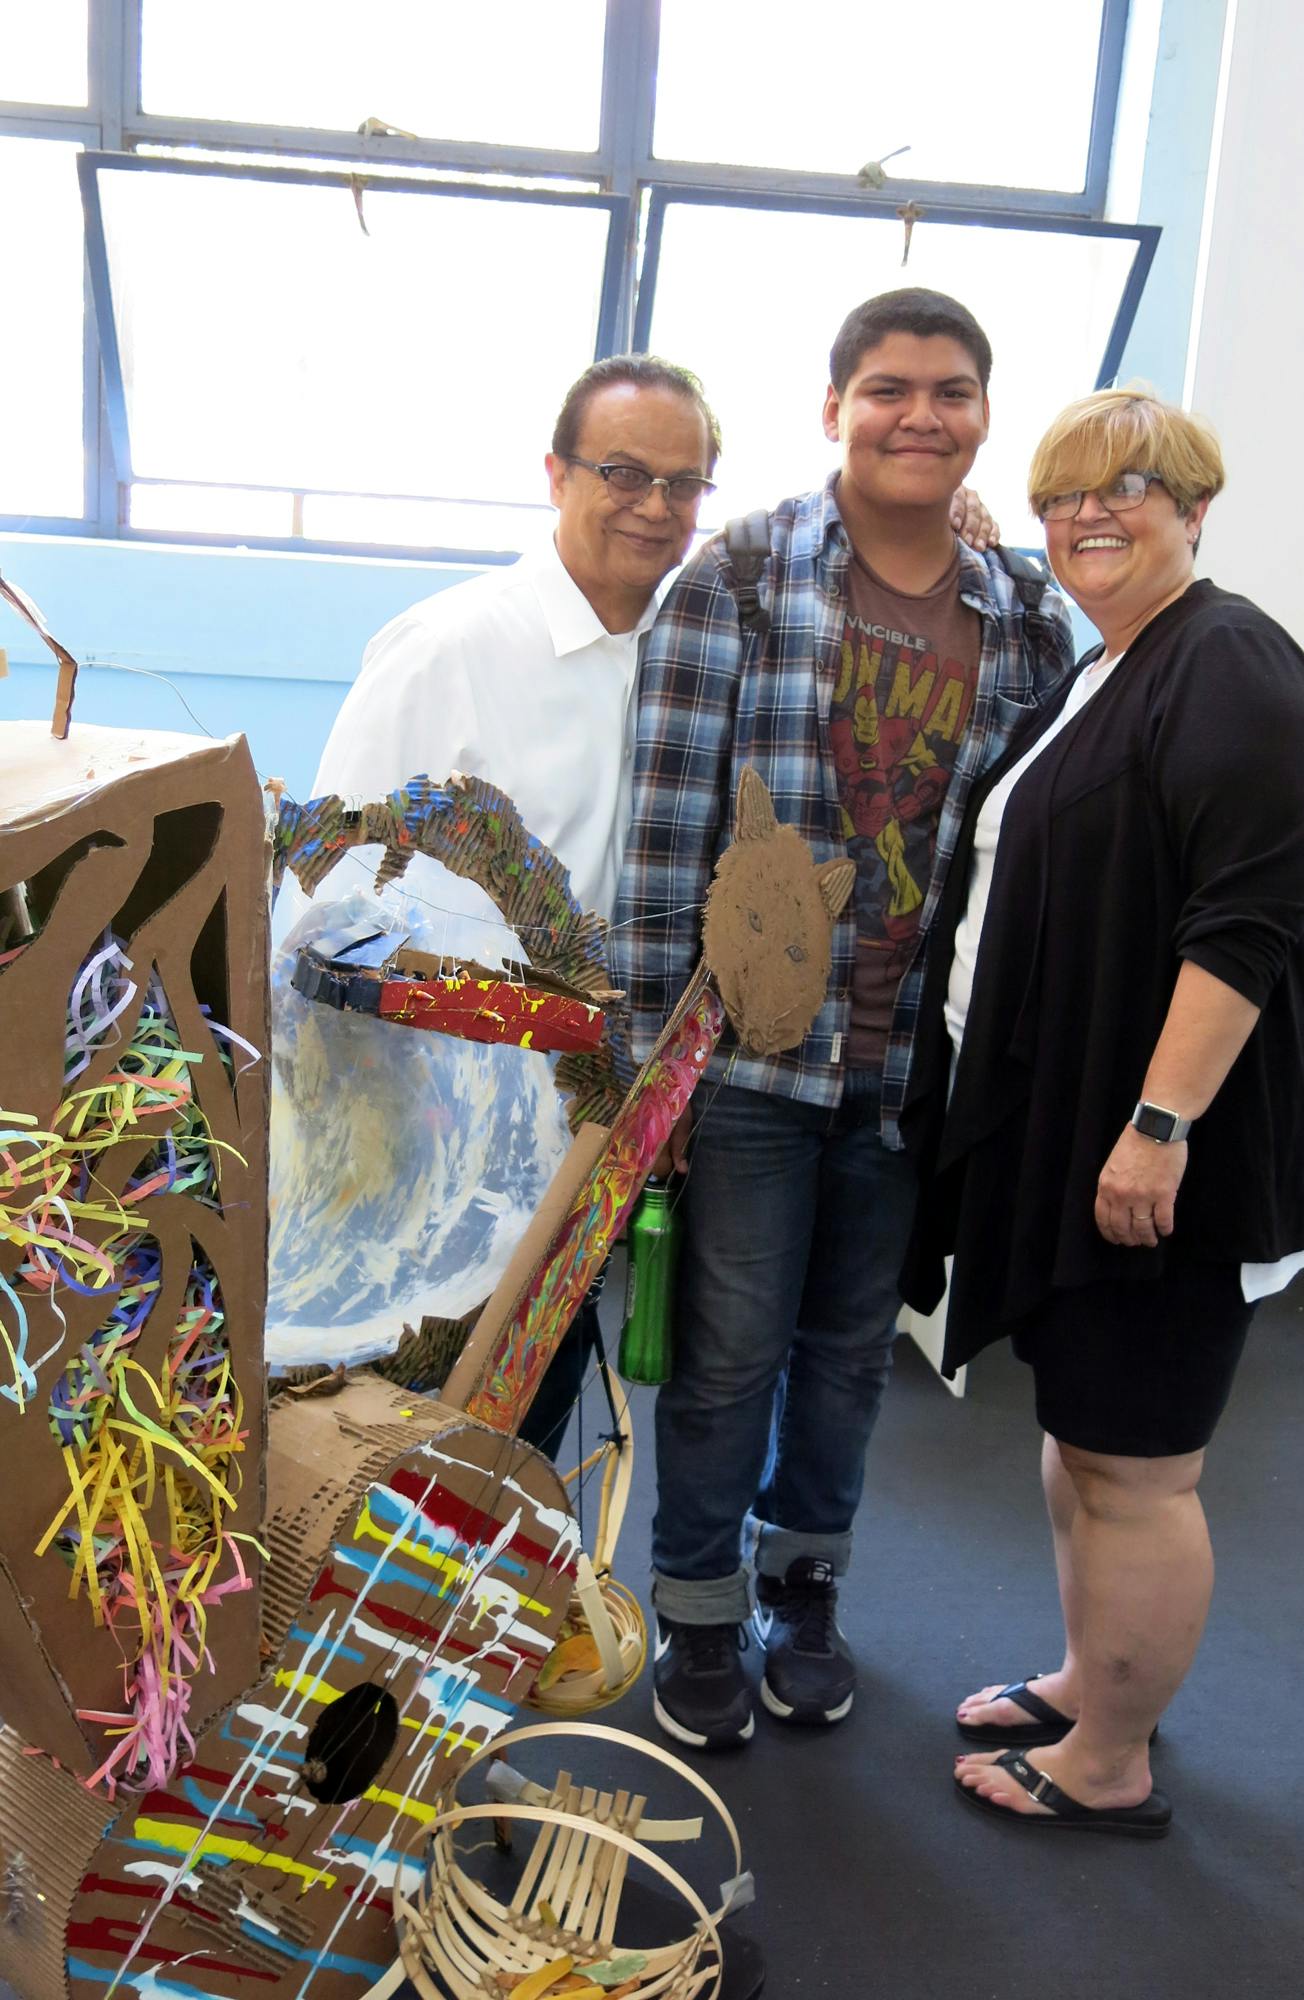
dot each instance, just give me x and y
(425, 524)
(41, 452)
(212, 510)
(43, 51)
(998, 98)
(265, 340)
(1048, 333)
(522, 72)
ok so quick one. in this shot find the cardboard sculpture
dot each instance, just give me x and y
(132, 1234)
(419, 1568)
(574, 1231)
(416, 1559)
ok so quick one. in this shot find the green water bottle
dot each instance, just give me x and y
(653, 1245)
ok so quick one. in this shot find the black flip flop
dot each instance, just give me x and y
(1047, 1726)
(1148, 1821)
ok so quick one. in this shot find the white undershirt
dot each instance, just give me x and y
(986, 837)
(1258, 1281)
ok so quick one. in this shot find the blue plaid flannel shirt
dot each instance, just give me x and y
(713, 699)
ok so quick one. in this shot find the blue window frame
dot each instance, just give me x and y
(282, 332)
(641, 196)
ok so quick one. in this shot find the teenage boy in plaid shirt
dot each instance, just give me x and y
(890, 672)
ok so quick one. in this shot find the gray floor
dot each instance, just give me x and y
(870, 1875)
(872, 1879)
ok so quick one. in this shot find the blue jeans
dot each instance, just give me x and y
(795, 1219)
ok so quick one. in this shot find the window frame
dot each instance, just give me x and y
(622, 170)
(1145, 235)
(90, 166)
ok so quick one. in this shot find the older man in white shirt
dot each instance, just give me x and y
(526, 676)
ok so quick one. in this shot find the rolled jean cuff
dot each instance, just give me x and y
(711, 1600)
(773, 1549)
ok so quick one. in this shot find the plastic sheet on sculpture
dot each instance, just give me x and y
(404, 1167)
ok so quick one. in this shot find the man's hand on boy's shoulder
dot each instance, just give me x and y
(972, 522)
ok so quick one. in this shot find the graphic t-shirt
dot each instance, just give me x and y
(899, 712)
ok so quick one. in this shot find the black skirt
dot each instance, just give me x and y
(1139, 1363)
(1137, 1370)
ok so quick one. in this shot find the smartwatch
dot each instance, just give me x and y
(1154, 1121)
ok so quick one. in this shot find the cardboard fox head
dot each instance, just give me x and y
(769, 925)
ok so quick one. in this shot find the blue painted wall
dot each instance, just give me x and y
(268, 643)
(250, 640)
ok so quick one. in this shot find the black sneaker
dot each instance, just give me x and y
(809, 1672)
(700, 1693)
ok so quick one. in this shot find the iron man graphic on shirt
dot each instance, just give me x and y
(896, 721)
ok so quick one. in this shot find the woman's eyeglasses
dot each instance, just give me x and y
(684, 491)
(1120, 497)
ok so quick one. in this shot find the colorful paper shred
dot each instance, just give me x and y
(152, 1460)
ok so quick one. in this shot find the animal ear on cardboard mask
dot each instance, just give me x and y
(768, 930)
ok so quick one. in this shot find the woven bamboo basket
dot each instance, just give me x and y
(603, 1643)
(457, 1938)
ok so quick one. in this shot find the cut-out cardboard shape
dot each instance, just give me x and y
(769, 924)
(143, 851)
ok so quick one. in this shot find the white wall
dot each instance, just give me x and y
(1248, 336)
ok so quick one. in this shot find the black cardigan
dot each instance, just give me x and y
(1165, 822)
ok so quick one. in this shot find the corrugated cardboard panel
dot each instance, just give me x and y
(159, 840)
(433, 1561)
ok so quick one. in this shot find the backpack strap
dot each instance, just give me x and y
(747, 545)
(1027, 575)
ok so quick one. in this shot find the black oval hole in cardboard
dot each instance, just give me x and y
(349, 1744)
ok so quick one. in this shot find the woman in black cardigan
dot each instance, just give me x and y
(1127, 917)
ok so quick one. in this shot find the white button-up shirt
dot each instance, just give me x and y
(513, 678)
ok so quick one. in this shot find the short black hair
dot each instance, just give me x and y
(644, 371)
(911, 310)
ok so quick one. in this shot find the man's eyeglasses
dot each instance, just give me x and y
(1120, 497)
(684, 491)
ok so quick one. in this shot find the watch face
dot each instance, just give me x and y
(1153, 1123)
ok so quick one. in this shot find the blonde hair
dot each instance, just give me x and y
(1126, 430)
